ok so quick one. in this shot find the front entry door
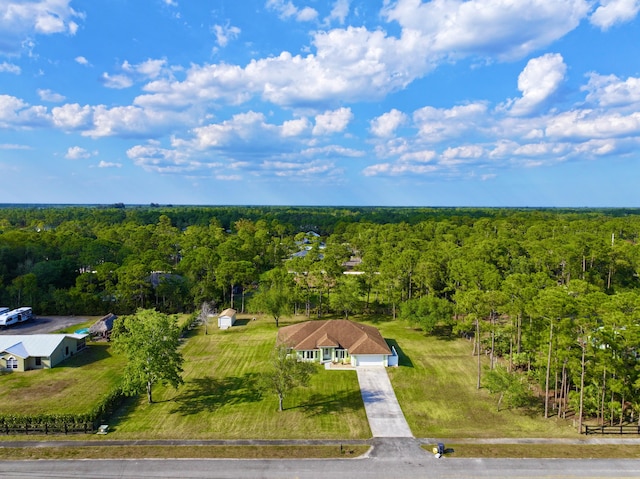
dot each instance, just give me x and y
(326, 354)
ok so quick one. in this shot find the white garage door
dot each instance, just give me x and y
(370, 360)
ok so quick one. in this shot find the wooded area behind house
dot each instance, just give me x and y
(549, 296)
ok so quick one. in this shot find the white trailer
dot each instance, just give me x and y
(16, 316)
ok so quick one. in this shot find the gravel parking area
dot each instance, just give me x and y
(45, 324)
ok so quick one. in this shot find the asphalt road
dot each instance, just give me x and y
(44, 324)
(369, 468)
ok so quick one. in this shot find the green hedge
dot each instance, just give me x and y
(63, 423)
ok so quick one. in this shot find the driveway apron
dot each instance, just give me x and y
(380, 402)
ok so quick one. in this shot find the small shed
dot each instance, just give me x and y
(227, 318)
(102, 328)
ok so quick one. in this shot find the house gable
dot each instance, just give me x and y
(39, 350)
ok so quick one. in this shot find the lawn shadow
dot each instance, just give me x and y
(377, 318)
(241, 322)
(208, 393)
(443, 332)
(121, 413)
(321, 404)
(403, 359)
(93, 353)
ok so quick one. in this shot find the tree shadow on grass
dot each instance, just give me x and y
(322, 404)
(208, 394)
(122, 413)
(403, 359)
(443, 332)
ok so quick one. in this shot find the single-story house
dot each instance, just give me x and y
(102, 328)
(336, 340)
(227, 318)
(38, 351)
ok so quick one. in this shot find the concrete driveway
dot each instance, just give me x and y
(383, 411)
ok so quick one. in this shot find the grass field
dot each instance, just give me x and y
(181, 452)
(221, 397)
(435, 385)
(73, 387)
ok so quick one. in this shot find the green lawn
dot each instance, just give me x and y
(436, 387)
(221, 398)
(75, 386)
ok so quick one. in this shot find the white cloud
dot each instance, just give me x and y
(149, 69)
(386, 124)
(50, 96)
(77, 153)
(539, 80)
(225, 33)
(243, 129)
(286, 9)
(108, 164)
(10, 68)
(612, 12)
(292, 169)
(81, 60)
(162, 160)
(339, 11)
(504, 29)
(13, 146)
(295, 127)
(16, 113)
(355, 63)
(438, 124)
(332, 121)
(590, 124)
(20, 20)
(398, 169)
(331, 151)
(307, 14)
(611, 91)
(131, 121)
(118, 82)
(72, 116)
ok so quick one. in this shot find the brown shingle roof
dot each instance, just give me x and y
(355, 337)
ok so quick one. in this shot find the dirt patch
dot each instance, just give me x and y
(48, 389)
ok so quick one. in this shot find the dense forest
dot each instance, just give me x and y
(550, 297)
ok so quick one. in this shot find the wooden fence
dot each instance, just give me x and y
(612, 430)
(76, 428)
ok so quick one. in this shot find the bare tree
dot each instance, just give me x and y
(206, 310)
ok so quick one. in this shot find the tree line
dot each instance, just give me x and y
(547, 296)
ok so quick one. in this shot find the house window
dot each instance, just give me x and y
(341, 353)
(38, 361)
(12, 363)
(309, 354)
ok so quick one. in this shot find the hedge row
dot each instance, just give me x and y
(63, 423)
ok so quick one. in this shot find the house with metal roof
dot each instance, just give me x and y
(38, 351)
(336, 341)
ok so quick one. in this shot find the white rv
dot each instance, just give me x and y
(16, 316)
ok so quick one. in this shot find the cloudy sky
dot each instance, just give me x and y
(321, 102)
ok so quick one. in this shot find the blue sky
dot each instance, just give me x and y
(310, 102)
